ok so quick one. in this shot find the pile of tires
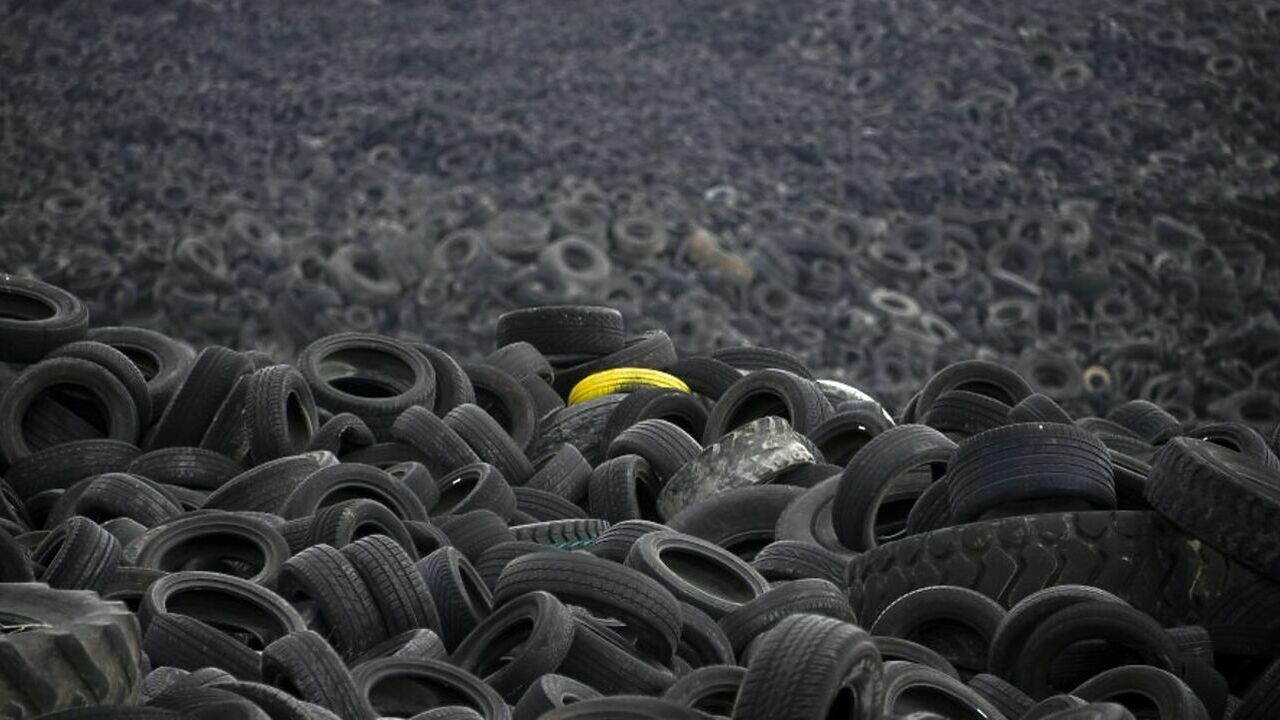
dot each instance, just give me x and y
(590, 524)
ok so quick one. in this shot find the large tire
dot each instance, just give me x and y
(77, 649)
(36, 317)
(1137, 556)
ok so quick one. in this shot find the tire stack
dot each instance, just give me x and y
(591, 524)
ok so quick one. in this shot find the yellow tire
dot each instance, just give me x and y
(623, 380)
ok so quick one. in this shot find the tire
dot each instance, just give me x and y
(343, 523)
(873, 472)
(36, 318)
(476, 531)
(961, 413)
(648, 350)
(980, 376)
(615, 542)
(190, 644)
(562, 471)
(280, 413)
(460, 595)
(1223, 497)
(60, 466)
(490, 442)
(564, 330)
(403, 599)
(808, 519)
(544, 506)
(445, 451)
(702, 642)
(374, 377)
(1026, 463)
(421, 643)
(892, 648)
(768, 393)
(342, 434)
(1038, 408)
(346, 614)
(430, 679)
(841, 436)
(256, 613)
(505, 399)
(1239, 437)
(664, 445)
(548, 693)
(706, 376)
(453, 387)
(807, 665)
(228, 430)
(742, 521)
(117, 412)
(786, 560)
(957, 622)
(1146, 420)
(1137, 556)
(1263, 698)
(347, 481)
(304, 665)
(608, 662)
(77, 555)
(582, 426)
(115, 495)
(623, 380)
(1170, 696)
(230, 543)
(712, 689)
(264, 488)
(1009, 700)
(188, 467)
(913, 686)
(520, 360)
(78, 649)
(569, 534)
(478, 486)
(931, 510)
(751, 455)
(520, 641)
(683, 409)
(1028, 614)
(750, 359)
(598, 585)
(197, 399)
(800, 597)
(276, 703)
(697, 572)
(495, 559)
(623, 488)
(120, 366)
(162, 360)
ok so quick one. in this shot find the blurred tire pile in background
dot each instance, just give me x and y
(1085, 192)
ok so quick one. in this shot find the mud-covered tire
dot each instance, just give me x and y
(79, 650)
(1138, 556)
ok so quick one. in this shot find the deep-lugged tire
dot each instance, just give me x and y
(806, 666)
(36, 317)
(1229, 500)
(437, 679)
(77, 649)
(750, 455)
(1138, 556)
(1148, 685)
(521, 640)
(303, 664)
(768, 393)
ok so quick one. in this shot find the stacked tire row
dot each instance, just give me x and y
(1081, 191)
(588, 524)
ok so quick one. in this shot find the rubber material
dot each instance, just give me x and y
(623, 380)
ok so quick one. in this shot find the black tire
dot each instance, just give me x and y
(684, 410)
(1239, 437)
(564, 330)
(343, 523)
(808, 665)
(162, 360)
(702, 641)
(786, 560)
(752, 454)
(548, 693)
(265, 487)
(652, 349)
(1138, 556)
(742, 521)
(957, 622)
(872, 473)
(208, 381)
(347, 481)
(1229, 500)
(1051, 706)
(61, 466)
(491, 442)
(374, 377)
(543, 506)
(615, 542)
(544, 397)
(188, 467)
(1026, 463)
(75, 649)
(240, 608)
(1262, 701)
(478, 486)
(608, 662)
(116, 495)
(979, 376)
(77, 555)
(495, 559)
(1039, 408)
(185, 642)
(276, 703)
(303, 664)
(662, 444)
(121, 366)
(403, 599)
(706, 376)
(415, 477)
(571, 534)
(598, 585)
(228, 430)
(697, 572)
(36, 317)
(342, 434)
(230, 543)
(453, 387)
(476, 531)
(507, 401)
(581, 425)
(409, 683)
(346, 614)
(280, 413)
(1149, 686)
(1025, 616)
(892, 648)
(421, 643)
(768, 393)
(842, 435)
(907, 686)
(520, 641)
(117, 413)
(800, 597)
(520, 360)
(445, 451)
(960, 413)
(712, 689)
(931, 510)
(624, 488)
(1009, 700)
(750, 359)
(1146, 420)
(625, 707)
(460, 595)
(808, 519)
(562, 471)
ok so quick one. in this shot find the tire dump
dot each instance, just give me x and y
(888, 360)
